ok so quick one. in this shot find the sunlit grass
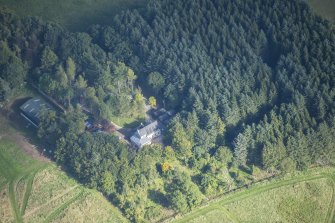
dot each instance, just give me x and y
(33, 191)
(299, 197)
(301, 202)
(128, 122)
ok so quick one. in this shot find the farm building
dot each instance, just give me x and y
(145, 135)
(31, 110)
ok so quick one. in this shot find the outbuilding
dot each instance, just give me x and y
(31, 110)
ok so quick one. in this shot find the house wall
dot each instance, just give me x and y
(136, 140)
(154, 134)
(28, 119)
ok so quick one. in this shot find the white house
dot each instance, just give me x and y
(145, 135)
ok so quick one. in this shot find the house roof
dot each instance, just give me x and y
(148, 129)
(139, 142)
(32, 108)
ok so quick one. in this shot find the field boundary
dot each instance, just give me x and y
(49, 201)
(13, 202)
(20, 163)
(29, 185)
(331, 209)
(252, 191)
(63, 206)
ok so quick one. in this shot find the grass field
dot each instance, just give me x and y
(32, 188)
(305, 197)
(36, 190)
(300, 202)
(75, 15)
(324, 8)
(15, 168)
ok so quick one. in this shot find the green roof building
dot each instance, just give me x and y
(31, 110)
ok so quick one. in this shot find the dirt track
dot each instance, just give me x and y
(27, 147)
(8, 130)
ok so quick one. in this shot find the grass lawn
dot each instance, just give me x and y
(324, 8)
(304, 197)
(127, 122)
(33, 189)
(301, 202)
(90, 208)
(14, 164)
(75, 15)
(16, 167)
(36, 190)
(215, 216)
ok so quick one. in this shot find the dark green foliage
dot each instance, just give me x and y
(5, 91)
(152, 212)
(181, 142)
(241, 144)
(156, 81)
(48, 129)
(223, 154)
(265, 68)
(13, 72)
(183, 194)
(252, 82)
(48, 58)
(287, 165)
(69, 67)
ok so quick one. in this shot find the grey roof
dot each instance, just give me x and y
(32, 108)
(140, 141)
(147, 130)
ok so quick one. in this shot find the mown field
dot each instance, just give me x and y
(76, 15)
(34, 190)
(304, 197)
(324, 8)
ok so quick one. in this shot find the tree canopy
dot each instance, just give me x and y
(252, 83)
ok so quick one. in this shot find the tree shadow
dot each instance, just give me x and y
(22, 127)
(135, 124)
(158, 197)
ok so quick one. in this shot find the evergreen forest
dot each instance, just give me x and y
(252, 83)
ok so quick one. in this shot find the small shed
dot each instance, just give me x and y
(31, 110)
